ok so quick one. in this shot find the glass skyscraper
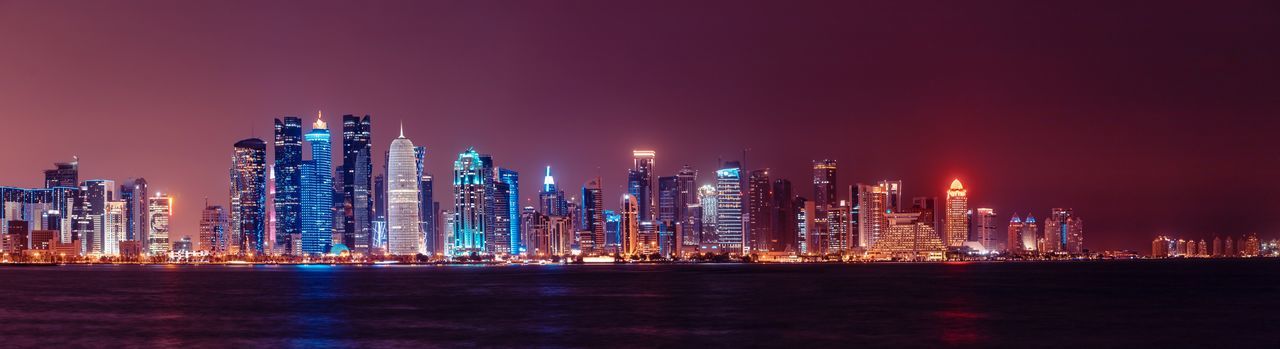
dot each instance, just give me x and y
(357, 173)
(511, 179)
(729, 227)
(288, 184)
(469, 221)
(317, 192)
(248, 199)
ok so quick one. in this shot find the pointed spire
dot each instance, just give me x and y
(401, 128)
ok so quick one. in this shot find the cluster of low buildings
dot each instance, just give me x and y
(1248, 245)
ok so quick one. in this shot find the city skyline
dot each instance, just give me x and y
(1121, 129)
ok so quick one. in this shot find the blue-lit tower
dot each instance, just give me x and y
(729, 228)
(317, 192)
(511, 180)
(469, 204)
(551, 199)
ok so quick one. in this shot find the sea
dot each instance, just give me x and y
(1082, 304)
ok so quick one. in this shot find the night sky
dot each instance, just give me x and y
(1145, 117)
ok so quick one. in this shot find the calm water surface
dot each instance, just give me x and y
(1076, 304)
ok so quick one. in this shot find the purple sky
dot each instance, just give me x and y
(1146, 117)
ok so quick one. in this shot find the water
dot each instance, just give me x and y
(1068, 304)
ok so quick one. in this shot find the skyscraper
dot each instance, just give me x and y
(379, 235)
(957, 219)
(984, 226)
(640, 182)
(824, 183)
(213, 229)
(357, 180)
(1064, 232)
(469, 223)
(872, 219)
(97, 193)
(403, 235)
(784, 218)
(630, 226)
(551, 200)
(63, 174)
(248, 199)
(668, 197)
(593, 218)
(427, 210)
(134, 194)
(318, 192)
(288, 185)
(507, 211)
(759, 210)
(708, 200)
(161, 210)
(893, 194)
(729, 224)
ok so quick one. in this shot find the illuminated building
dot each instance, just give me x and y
(403, 235)
(784, 218)
(1230, 248)
(15, 237)
(97, 193)
(248, 199)
(560, 233)
(669, 207)
(469, 204)
(824, 183)
(287, 173)
(551, 199)
(837, 229)
(506, 199)
(640, 182)
(647, 238)
(906, 237)
(759, 210)
(1162, 247)
(427, 206)
(1251, 246)
(64, 174)
(872, 206)
(612, 231)
(357, 181)
(729, 224)
(134, 194)
(805, 212)
(928, 205)
(379, 234)
(213, 229)
(984, 225)
(709, 201)
(511, 179)
(957, 220)
(113, 227)
(1203, 250)
(629, 225)
(1022, 235)
(893, 194)
(1064, 232)
(593, 218)
(317, 192)
(161, 209)
(687, 200)
(1217, 247)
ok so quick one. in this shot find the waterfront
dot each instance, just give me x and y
(1176, 303)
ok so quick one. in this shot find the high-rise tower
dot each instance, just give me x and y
(317, 191)
(248, 199)
(729, 224)
(640, 182)
(357, 182)
(469, 221)
(403, 235)
(824, 183)
(957, 218)
(287, 174)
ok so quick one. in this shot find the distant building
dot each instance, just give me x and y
(287, 175)
(729, 210)
(1064, 232)
(984, 226)
(317, 192)
(357, 183)
(629, 225)
(957, 223)
(469, 181)
(64, 174)
(403, 181)
(908, 238)
(213, 229)
(824, 182)
(640, 182)
(183, 245)
(760, 211)
(161, 209)
(872, 207)
(784, 218)
(593, 218)
(708, 202)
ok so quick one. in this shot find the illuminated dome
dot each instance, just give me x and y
(1015, 219)
(955, 185)
(338, 249)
